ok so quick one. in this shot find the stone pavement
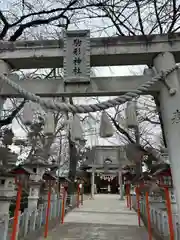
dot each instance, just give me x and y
(105, 218)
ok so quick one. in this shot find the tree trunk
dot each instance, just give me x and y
(72, 161)
(72, 165)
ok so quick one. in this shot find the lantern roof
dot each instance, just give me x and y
(20, 169)
(129, 176)
(126, 168)
(63, 179)
(126, 173)
(145, 176)
(80, 173)
(49, 176)
(163, 169)
(6, 174)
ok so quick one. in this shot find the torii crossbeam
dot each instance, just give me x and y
(100, 86)
(111, 51)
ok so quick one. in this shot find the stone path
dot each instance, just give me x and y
(104, 218)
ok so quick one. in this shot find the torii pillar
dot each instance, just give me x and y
(121, 189)
(170, 110)
(4, 69)
(92, 182)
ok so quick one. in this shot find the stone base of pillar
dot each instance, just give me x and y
(92, 183)
(121, 189)
(121, 193)
(121, 198)
(91, 198)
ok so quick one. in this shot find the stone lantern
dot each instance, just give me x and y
(22, 175)
(7, 192)
(148, 183)
(127, 180)
(164, 179)
(38, 166)
(7, 180)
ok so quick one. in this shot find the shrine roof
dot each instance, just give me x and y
(144, 177)
(6, 174)
(91, 154)
(159, 166)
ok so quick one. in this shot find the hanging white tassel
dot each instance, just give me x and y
(28, 113)
(106, 128)
(49, 126)
(76, 129)
(131, 116)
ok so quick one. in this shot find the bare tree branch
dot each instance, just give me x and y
(14, 113)
(151, 121)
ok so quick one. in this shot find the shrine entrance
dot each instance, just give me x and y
(105, 166)
(106, 183)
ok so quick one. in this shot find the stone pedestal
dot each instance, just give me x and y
(33, 195)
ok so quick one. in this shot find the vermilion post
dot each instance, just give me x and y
(48, 211)
(16, 213)
(169, 212)
(127, 196)
(129, 192)
(138, 206)
(63, 206)
(148, 216)
(81, 199)
(81, 193)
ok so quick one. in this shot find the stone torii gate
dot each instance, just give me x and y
(161, 52)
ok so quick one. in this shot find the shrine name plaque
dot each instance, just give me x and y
(77, 57)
